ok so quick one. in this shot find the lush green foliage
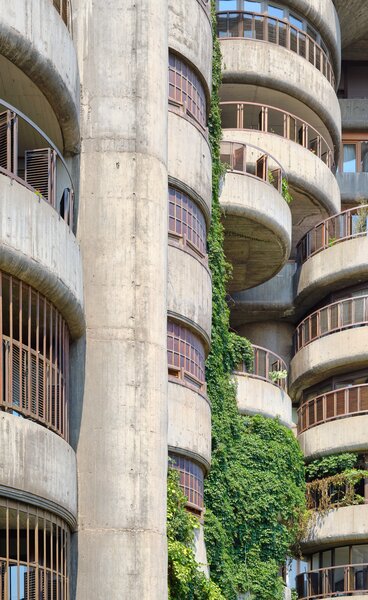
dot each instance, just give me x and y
(285, 191)
(186, 581)
(330, 465)
(255, 492)
(336, 490)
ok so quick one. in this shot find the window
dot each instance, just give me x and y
(354, 153)
(252, 6)
(274, 11)
(186, 221)
(186, 90)
(185, 355)
(227, 5)
(191, 480)
(296, 22)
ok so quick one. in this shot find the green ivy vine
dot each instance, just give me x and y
(255, 492)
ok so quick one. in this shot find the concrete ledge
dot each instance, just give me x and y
(315, 179)
(189, 423)
(335, 353)
(34, 37)
(259, 397)
(189, 288)
(354, 113)
(340, 527)
(353, 186)
(344, 264)
(37, 464)
(347, 434)
(271, 66)
(190, 157)
(257, 223)
(38, 247)
(190, 34)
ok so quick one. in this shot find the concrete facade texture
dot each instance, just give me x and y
(256, 396)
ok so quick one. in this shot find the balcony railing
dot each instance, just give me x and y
(346, 225)
(257, 26)
(27, 155)
(64, 8)
(343, 489)
(262, 117)
(252, 160)
(265, 363)
(34, 354)
(332, 582)
(344, 314)
(337, 404)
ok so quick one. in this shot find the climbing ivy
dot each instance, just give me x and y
(331, 465)
(185, 580)
(255, 492)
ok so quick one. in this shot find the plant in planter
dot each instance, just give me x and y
(277, 375)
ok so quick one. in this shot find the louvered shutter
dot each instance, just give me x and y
(40, 172)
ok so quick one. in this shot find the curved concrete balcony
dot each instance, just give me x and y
(332, 255)
(314, 188)
(259, 392)
(331, 340)
(257, 219)
(190, 161)
(344, 525)
(32, 450)
(341, 582)
(45, 52)
(190, 34)
(189, 420)
(189, 288)
(36, 217)
(252, 62)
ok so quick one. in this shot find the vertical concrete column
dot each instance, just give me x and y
(121, 436)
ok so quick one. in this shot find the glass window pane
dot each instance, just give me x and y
(360, 554)
(274, 11)
(342, 556)
(349, 158)
(227, 5)
(327, 558)
(296, 22)
(364, 162)
(252, 6)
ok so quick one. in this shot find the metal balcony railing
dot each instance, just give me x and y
(332, 582)
(343, 314)
(336, 404)
(252, 160)
(265, 363)
(27, 155)
(268, 119)
(257, 26)
(346, 225)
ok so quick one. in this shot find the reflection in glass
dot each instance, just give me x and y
(349, 158)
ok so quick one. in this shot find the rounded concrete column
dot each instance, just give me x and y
(121, 440)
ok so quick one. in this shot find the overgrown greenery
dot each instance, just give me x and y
(185, 580)
(255, 492)
(331, 465)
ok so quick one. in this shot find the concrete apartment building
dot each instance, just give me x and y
(105, 290)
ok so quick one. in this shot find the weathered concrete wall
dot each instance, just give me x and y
(353, 186)
(341, 435)
(255, 215)
(34, 38)
(37, 466)
(190, 34)
(258, 397)
(189, 290)
(262, 64)
(339, 352)
(190, 157)
(315, 178)
(354, 114)
(273, 335)
(37, 246)
(342, 526)
(189, 423)
(120, 430)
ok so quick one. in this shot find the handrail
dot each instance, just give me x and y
(333, 230)
(336, 404)
(293, 128)
(337, 316)
(35, 175)
(262, 170)
(332, 581)
(264, 362)
(276, 31)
